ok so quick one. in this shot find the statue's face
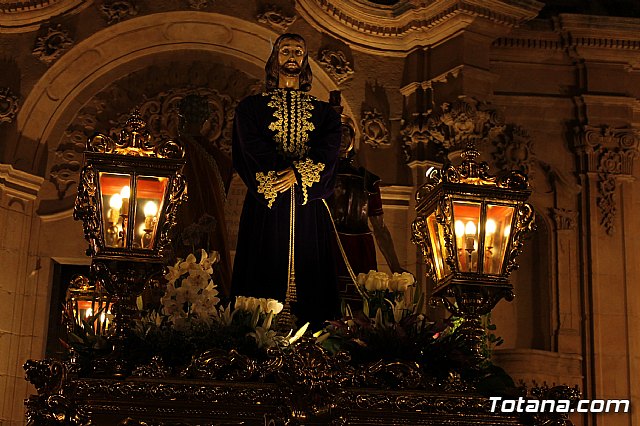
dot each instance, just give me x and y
(291, 56)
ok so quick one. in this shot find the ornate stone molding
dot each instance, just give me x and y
(451, 127)
(29, 15)
(609, 153)
(115, 11)
(51, 46)
(564, 219)
(274, 17)
(19, 184)
(604, 32)
(374, 129)
(9, 105)
(336, 64)
(610, 39)
(395, 30)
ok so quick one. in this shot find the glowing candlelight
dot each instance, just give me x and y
(470, 234)
(115, 204)
(125, 193)
(150, 212)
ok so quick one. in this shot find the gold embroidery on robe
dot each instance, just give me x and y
(309, 174)
(266, 183)
(292, 121)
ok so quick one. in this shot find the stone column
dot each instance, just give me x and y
(21, 337)
(610, 286)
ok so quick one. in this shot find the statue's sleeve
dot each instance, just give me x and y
(316, 173)
(254, 155)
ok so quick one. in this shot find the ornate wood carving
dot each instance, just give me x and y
(273, 16)
(336, 64)
(311, 387)
(115, 11)
(52, 45)
(609, 153)
(9, 105)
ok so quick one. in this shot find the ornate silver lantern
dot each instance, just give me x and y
(470, 227)
(128, 195)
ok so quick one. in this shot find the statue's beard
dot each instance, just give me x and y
(291, 71)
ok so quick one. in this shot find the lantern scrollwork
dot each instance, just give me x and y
(470, 227)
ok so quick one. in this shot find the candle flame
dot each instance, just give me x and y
(115, 202)
(491, 226)
(459, 228)
(125, 192)
(150, 209)
(470, 228)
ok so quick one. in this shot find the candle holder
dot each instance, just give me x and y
(470, 227)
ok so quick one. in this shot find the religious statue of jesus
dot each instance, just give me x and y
(285, 149)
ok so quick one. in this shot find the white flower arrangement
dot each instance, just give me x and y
(191, 295)
(381, 281)
(250, 304)
(191, 299)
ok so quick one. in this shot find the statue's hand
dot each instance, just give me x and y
(286, 179)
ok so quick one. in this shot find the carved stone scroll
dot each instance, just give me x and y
(52, 45)
(9, 105)
(276, 18)
(115, 11)
(336, 64)
(374, 129)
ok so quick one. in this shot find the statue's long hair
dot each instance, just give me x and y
(272, 68)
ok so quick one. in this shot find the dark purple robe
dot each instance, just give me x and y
(273, 131)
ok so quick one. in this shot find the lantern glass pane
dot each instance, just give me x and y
(496, 237)
(115, 191)
(466, 219)
(437, 247)
(149, 197)
(85, 304)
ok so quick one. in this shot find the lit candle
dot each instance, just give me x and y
(470, 236)
(125, 193)
(490, 230)
(150, 212)
(115, 202)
